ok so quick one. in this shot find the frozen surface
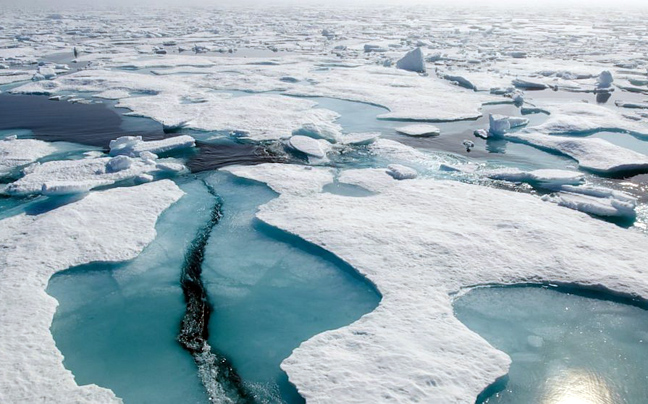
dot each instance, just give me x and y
(19, 152)
(580, 117)
(413, 333)
(75, 176)
(111, 226)
(593, 154)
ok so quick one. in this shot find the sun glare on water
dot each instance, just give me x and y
(577, 386)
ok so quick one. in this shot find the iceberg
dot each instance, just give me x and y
(501, 124)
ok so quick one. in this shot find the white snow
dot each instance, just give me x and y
(413, 61)
(56, 177)
(112, 226)
(420, 241)
(16, 152)
(580, 117)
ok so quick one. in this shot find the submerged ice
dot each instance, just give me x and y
(598, 358)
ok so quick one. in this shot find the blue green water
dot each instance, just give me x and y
(117, 324)
(565, 348)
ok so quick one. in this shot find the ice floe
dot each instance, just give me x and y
(419, 130)
(547, 178)
(415, 241)
(78, 176)
(134, 146)
(113, 225)
(580, 117)
(592, 154)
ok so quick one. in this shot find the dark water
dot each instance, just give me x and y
(98, 124)
(94, 124)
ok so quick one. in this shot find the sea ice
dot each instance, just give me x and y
(16, 152)
(419, 130)
(410, 240)
(413, 61)
(113, 225)
(546, 178)
(580, 117)
(592, 154)
(401, 172)
(308, 146)
(134, 146)
(57, 177)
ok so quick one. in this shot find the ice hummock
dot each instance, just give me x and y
(413, 61)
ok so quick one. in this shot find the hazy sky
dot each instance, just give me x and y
(53, 4)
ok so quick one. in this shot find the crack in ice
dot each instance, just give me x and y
(223, 384)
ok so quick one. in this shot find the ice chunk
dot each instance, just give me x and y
(482, 133)
(119, 163)
(88, 173)
(134, 145)
(468, 144)
(593, 154)
(413, 61)
(401, 172)
(529, 85)
(599, 206)
(604, 80)
(286, 179)
(500, 124)
(307, 145)
(419, 130)
(358, 139)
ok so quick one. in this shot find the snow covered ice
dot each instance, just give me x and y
(319, 203)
